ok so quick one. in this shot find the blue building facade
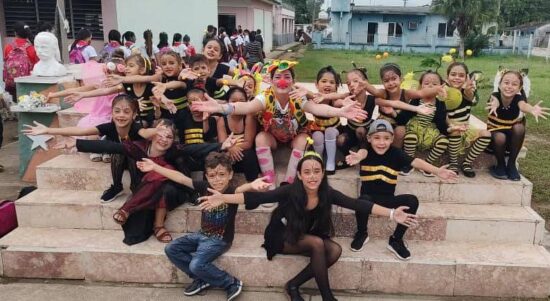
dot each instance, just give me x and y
(389, 28)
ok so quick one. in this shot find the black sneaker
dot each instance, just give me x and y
(359, 241)
(512, 172)
(111, 193)
(468, 171)
(234, 289)
(498, 172)
(399, 248)
(407, 170)
(196, 287)
(330, 172)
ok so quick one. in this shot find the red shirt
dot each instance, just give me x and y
(190, 50)
(20, 42)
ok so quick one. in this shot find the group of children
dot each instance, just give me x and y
(202, 115)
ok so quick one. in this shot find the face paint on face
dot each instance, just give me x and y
(283, 81)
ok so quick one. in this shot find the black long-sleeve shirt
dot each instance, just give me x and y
(439, 118)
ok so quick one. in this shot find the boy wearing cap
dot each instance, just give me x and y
(380, 164)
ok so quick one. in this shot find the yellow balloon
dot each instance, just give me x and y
(452, 51)
(386, 54)
(447, 58)
(469, 52)
(454, 98)
(378, 56)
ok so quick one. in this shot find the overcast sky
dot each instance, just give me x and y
(385, 2)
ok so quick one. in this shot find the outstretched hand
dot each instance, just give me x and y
(446, 174)
(210, 202)
(146, 165)
(423, 109)
(261, 184)
(492, 106)
(38, 129)
(73, 98)
(298, 92)
(539, 111)
(209, 105)
(351, 111)
(231, 141)
(354, 157)
(404, 218)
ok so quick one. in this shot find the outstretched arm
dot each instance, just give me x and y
(537, 110)
(239, 108)
(147, 165)
(396, 104)
(40, 129)
(442, 172)
(350, 111)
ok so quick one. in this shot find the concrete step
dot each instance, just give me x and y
(68, 209)
(77, 172)
(437, 268)
(69, 117)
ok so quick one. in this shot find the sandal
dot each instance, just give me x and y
(120, 217)
(162, 234)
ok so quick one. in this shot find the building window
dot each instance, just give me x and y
(79, 13)
(395, 30)
(445, 30)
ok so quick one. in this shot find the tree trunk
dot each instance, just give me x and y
(461, 47)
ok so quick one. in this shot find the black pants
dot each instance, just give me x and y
(388, 201)
(121, 162)
(248, 165)
(176, 194)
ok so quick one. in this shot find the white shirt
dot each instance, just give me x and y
(129, 50)
(181, 49)
(227, 42)
(239, 41)
(143, 51)
(89, 52)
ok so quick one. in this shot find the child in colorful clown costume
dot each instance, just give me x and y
(282, 117)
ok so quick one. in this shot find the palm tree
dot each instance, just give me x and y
(465, 15)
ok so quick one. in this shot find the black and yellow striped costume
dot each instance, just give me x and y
(459, 112)
(193, 131)
(507, 116)
(146, 114)
(425, 132)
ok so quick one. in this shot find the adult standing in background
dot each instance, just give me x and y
(253, 51)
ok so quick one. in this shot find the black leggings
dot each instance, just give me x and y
(350, 138)
(248, 165)
(121, 162)
(323, 254)
(388, 201)
(508, 140)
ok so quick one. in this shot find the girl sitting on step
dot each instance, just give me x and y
(425, 132)
(507, 124)
(301, 224)
(459, 101)
(122, 128)
(136, 215)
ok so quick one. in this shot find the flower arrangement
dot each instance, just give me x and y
(33, 102)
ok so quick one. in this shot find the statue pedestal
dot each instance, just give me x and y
(29, 159)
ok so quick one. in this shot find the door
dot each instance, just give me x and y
(372, 30)
(228, 22)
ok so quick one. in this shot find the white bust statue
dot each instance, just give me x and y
(47, 50)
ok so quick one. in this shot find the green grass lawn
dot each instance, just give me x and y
(537, 164)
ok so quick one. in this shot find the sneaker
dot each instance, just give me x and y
(196, 287)
(330, 172)
(407, 170)
(359, 241)
(467, 170)
(95, 157)
(428, 174)
(234, 289)
(106, 158)
(399, 248)
(512, 172)
(498, 172)
(111, 193)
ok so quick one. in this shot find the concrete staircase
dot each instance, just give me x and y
(477, 237)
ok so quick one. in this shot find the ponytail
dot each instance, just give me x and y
(148, 36)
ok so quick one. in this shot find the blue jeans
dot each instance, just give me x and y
(199, 265)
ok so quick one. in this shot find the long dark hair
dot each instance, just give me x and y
(114, 35)
(148, 37)
(295, 209)
(82, 35)
(163, 40)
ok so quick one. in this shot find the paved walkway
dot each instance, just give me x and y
(32, 291)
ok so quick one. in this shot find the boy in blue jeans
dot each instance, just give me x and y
(194, 253)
